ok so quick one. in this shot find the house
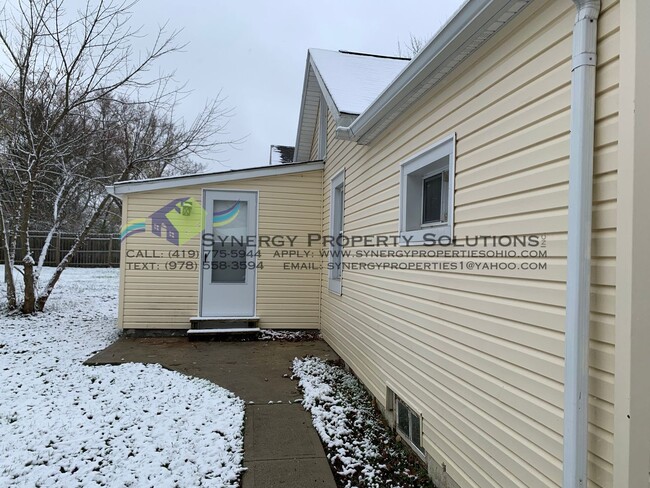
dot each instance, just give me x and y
(492, 195)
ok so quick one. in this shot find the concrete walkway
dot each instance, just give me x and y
(281, 447)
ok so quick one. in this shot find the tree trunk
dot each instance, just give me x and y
(42, 299)
(43, 256)
(12, 303)
(29, 301)
(29, 304)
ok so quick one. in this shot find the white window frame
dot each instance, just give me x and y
(322, 128)
(337, 182)
(444, 197)
(407, 436)
(413, 172)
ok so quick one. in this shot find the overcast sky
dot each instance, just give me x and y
(254, 51)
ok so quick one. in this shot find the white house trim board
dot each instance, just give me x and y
(307, 115)
(337, 183)
(632, 392)
(133, 186)
(322, 129)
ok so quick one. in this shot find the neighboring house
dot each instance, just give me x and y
(478, 135)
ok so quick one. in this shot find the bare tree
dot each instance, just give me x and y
(411, 47)
(81, 110)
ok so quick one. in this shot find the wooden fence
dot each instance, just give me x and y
(99, 250)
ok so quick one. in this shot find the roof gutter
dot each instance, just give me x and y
(581, 155)
(472, 25)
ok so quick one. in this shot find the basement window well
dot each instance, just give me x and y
(408, 424)
(427, 194)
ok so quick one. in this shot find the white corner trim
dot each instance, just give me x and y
(322, 129)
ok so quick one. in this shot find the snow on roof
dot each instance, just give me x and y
(355, 80)
(130, 186)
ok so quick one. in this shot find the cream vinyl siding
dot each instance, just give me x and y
(481, 354)
(288, 205)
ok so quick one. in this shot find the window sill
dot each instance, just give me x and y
(425, 236)
(335, 286)
(419, 452)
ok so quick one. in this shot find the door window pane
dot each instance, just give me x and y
(230, 230)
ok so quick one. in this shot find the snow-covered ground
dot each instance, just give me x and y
(65, 424)
(360, 447)
(289, 335)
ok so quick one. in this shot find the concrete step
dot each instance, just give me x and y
(223, 322)
(233, 330)
(224, 333)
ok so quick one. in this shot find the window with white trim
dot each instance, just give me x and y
(427, 194)
(337, 205)
(408, 424)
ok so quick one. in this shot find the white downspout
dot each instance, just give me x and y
(576, 384)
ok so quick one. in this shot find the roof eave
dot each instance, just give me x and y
(472, 25)
(341, 118)
(329, 100)
(134, 186)
(298, 146)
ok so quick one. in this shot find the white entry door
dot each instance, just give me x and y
(229, 249)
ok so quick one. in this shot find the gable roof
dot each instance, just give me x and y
(348, 82)
(354, 80)
(475, 22)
